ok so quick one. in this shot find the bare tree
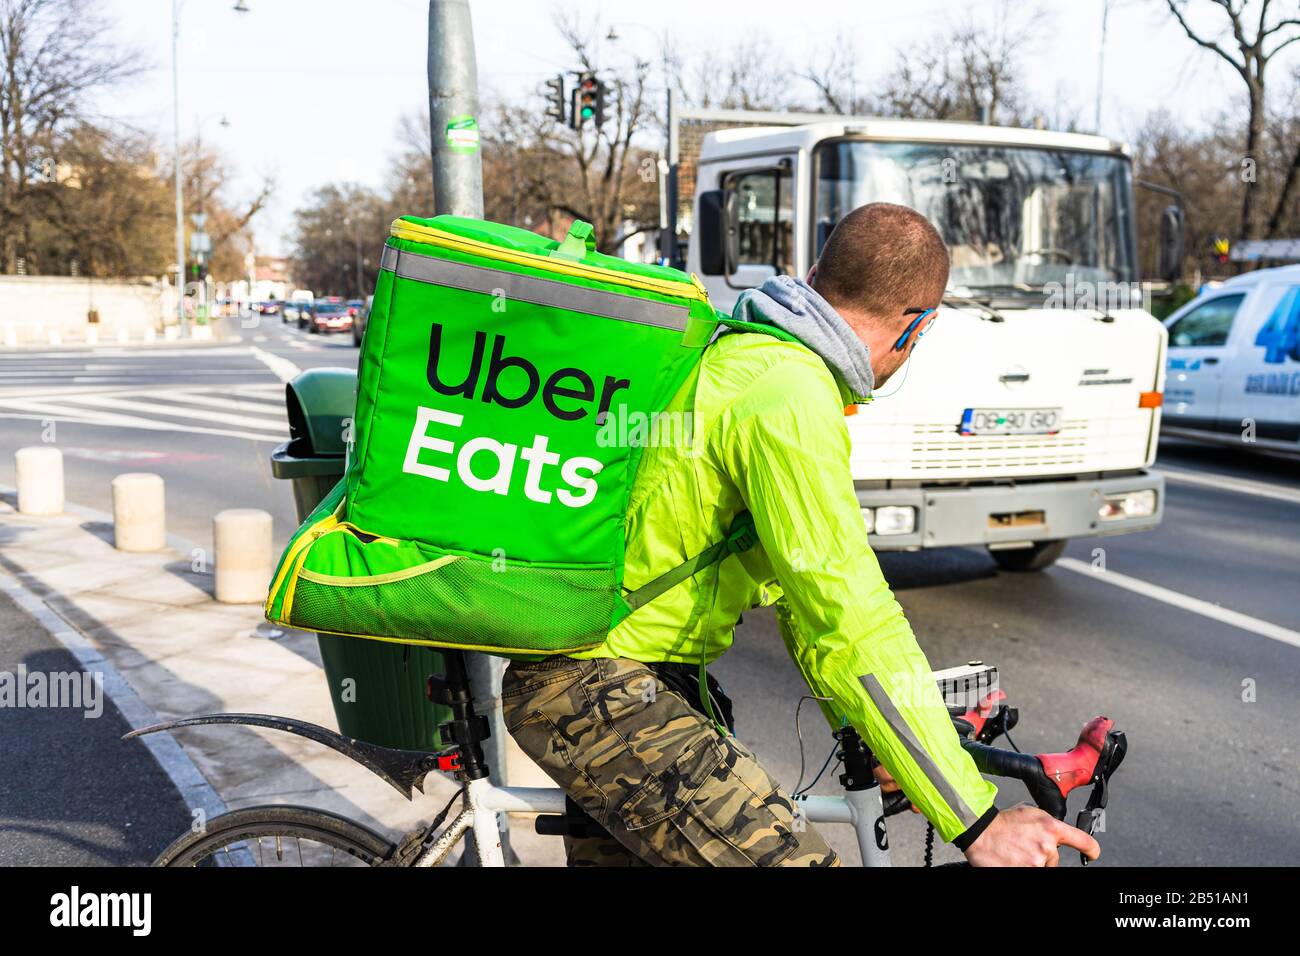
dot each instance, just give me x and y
(604, 156)
(838, 83)
(207, 175)
(750, 74)
(970, 71)
(1288, 132)
(52, 54)
(1251, 59)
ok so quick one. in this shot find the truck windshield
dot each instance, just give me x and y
(1013, 217)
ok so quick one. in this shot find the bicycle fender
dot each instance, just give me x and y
(403, 770)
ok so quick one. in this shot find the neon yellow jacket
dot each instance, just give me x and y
(767, 433)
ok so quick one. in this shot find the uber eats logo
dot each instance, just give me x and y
(438, 447)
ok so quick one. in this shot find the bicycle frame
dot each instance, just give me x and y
(1050, 777)
(483, 801)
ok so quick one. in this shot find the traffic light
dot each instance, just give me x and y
(588, 101)
(555, 99)
(1221, 249)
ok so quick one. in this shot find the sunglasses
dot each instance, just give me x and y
(921, 315)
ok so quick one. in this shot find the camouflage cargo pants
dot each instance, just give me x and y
(670, 789)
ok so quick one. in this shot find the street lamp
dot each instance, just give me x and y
(240, 7)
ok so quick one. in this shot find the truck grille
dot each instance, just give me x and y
(938, 448)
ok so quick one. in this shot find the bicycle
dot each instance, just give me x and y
(978, 708)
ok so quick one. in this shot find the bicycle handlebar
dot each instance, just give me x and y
(1050, 777)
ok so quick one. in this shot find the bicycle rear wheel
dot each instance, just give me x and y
(279, 835)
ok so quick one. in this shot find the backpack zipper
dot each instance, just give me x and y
(402, 229)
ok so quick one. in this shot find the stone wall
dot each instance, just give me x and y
(53, 310)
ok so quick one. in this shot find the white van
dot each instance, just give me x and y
(1234, 363)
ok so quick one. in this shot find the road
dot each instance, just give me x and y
(1209, 705)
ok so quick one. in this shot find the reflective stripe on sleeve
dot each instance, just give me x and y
(918, 753)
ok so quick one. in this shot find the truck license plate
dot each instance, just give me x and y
(1010, 421)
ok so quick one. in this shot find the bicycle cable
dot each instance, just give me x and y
(798, 734)
(830, 756)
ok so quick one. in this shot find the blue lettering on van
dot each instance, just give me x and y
(1184, 365)
(1273, 383)
(1280, 336)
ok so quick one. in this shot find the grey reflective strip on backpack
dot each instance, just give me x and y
(547, 292)
(913, 746)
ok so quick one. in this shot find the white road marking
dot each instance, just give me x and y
(259, 405)
(1245, 486)
(84, 416)
(284, 370)
(1185, 602)
(178, 411)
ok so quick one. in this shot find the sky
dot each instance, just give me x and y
(313, 91)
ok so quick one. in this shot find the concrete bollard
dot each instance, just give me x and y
(139, 512)
(242, 537)
(40, 480)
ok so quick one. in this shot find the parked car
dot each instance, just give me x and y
(266, 308)
(294, 310)
(362, 319)
(1234, 363)
(327, 314)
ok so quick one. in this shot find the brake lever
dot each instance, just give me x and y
(1092, 813)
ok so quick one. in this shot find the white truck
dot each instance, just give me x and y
(1033, 411)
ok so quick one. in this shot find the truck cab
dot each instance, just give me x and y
(1031, 412)
(1234, 363)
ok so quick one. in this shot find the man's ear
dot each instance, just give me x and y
(812, 273)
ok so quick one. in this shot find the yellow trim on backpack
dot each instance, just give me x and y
(294, 557)
(455, 646)
(402, 229)
(361, 582)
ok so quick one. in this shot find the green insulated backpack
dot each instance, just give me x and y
(484, 504)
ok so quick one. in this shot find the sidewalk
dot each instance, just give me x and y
(155, 623)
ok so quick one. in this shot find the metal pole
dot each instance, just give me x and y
(668, 237)
(453, 110)
(180, 202)
(458, 191)
(1101, 63)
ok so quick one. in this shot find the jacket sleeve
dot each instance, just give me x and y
(790, 461)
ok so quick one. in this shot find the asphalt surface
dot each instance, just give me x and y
(1210, 708)
(72, 792)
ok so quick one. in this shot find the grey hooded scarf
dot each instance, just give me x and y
(793, 306)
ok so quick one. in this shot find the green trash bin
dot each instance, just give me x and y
(377, 688)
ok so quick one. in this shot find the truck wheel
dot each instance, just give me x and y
(1042, 555)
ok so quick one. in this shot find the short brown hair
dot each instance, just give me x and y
(883, 259)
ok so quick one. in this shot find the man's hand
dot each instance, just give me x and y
(887, 783)
(1026, 836)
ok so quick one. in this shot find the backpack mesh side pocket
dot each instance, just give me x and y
(466, 603)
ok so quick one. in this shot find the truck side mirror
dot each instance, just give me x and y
(712, 230)
(1171, 243)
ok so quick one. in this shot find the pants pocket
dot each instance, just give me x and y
(707, 799)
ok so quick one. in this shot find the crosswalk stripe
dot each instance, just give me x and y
(127, 405)
(254, 406)
(90, 417)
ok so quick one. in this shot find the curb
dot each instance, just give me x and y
(194, 788)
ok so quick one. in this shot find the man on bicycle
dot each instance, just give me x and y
(626, 728)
